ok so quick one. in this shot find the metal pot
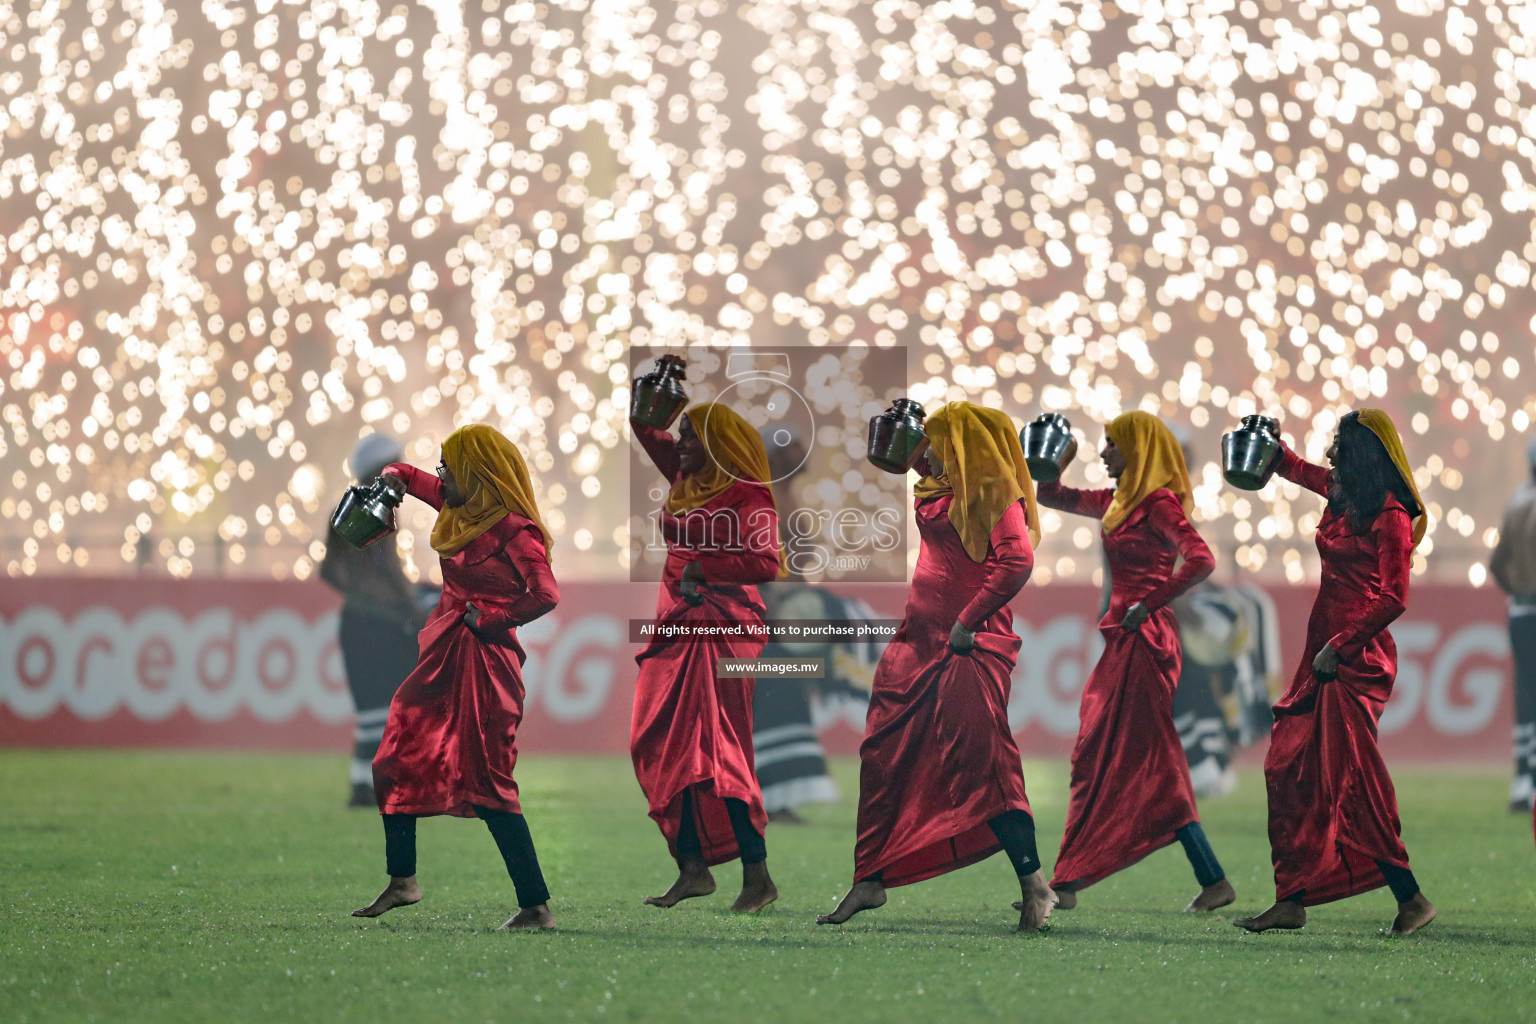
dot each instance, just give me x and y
(897, 438)
(1250, 453)
(659, 397)
(1049, 446)
(366, 513)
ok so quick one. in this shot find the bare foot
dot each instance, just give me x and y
(1212, 897)
(1066, 899)
(1035, 907)
(757, 889)
(693, 879)
(1286, 914)
(868, 895)
(529, 917)
(1412, 915)
(400, 892)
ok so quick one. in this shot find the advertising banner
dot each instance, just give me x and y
(256, 665)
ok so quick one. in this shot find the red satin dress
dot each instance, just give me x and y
(450, 744)
(938, 759)
(1332, 807)
(1130, 779)
(691, 728)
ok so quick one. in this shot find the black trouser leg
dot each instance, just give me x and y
(688, 845)
(1400, 880)
(516, 845)
(1015, 829)
(749, 841)
(1201, 857)
(1522, 643)
(1299, 897)
(400, 844)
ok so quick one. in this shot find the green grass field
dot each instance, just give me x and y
(208, 887)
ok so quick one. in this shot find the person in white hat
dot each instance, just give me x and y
(1513, 566)
(380, 617)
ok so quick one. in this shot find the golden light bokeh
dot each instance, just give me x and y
(238, 235)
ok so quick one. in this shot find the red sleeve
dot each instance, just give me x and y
(1393, 533)
(1166, 518)
(1074, 499)
(756, 558)
(525, 551)
(1010, 560)
(1299, 471)
(419, 483)
(661, 446)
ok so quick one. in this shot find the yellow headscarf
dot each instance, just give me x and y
(1153, 459)
(494, 480)
(983, 468)
(733, 451)
(1380, 424)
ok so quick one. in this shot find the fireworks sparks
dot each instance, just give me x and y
(238, 235)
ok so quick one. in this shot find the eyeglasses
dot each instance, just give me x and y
(442, 472)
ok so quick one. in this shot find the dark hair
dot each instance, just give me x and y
(1364, 476)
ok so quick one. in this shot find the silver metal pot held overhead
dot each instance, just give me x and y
(366, 514)
(897, 438)
(1250, 453)
(659, 397)
(1049, 446)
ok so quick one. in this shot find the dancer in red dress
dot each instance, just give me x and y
(1131, 792)
(450, 745)
(691, 735)
(941, 785)
(1333, 825)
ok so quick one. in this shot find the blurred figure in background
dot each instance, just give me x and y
(1228, 680)
(1230, 674)
(1514, 569)
(380, 617)
(791, 764)
(788, 714)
